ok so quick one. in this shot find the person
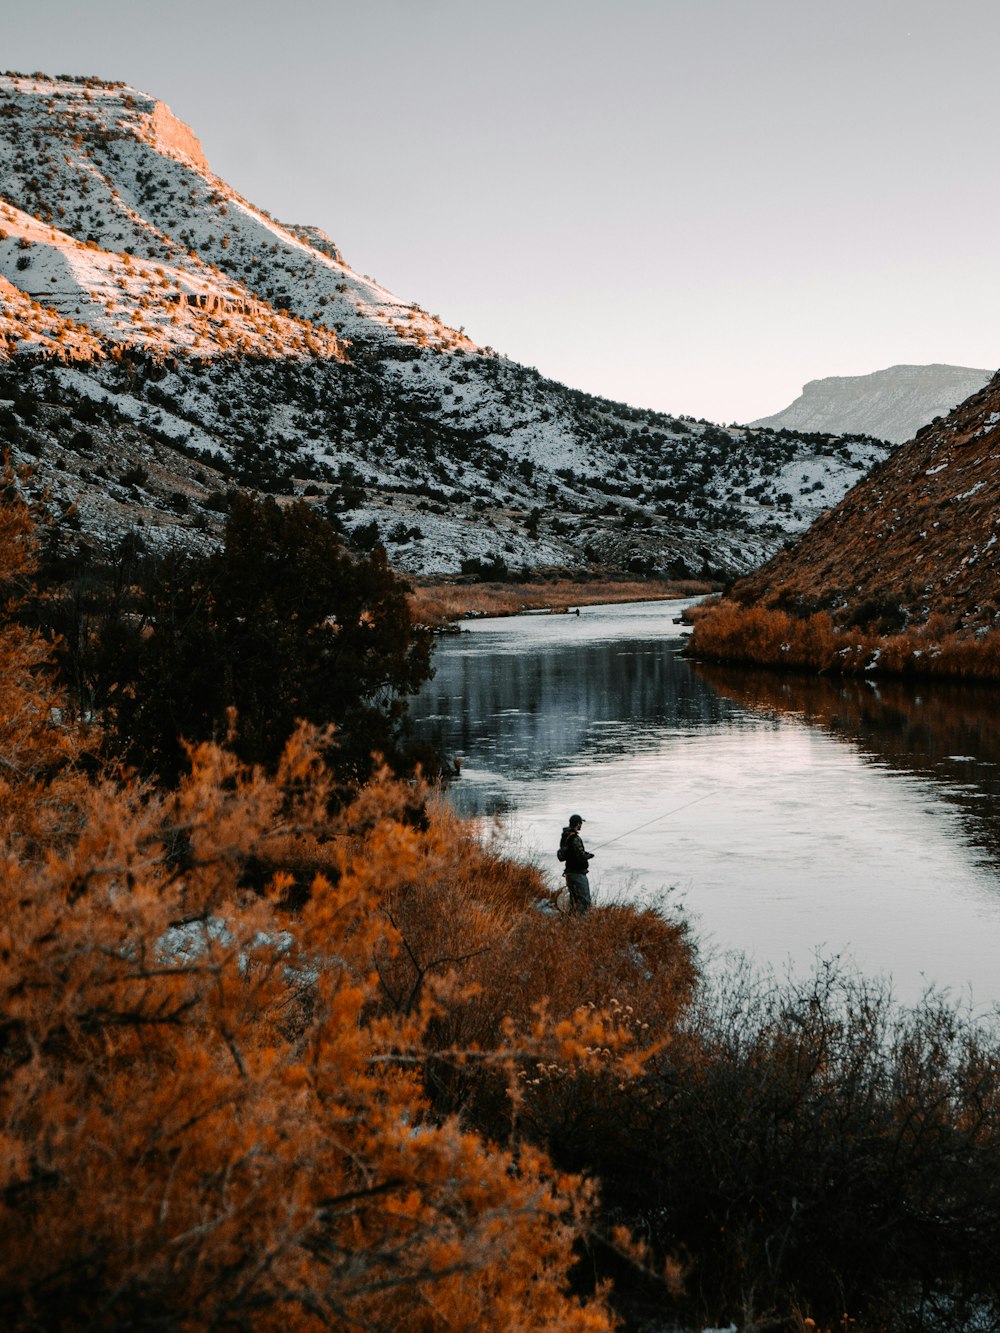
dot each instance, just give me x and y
(577, 860)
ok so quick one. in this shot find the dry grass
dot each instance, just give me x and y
(438, 604)
(763, 636)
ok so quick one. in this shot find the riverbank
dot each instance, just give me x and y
(441, 603)
(377, 1056)
(729, 632)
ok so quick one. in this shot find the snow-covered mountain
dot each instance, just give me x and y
(162, 340)
(890, 404)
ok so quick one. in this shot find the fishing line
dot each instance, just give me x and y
(638, 827)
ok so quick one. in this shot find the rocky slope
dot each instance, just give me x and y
(891, 404)
(163, 340)
(919, 536)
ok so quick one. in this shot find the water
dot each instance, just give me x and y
(810, 817)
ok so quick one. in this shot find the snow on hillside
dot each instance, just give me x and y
(114, 165)
(202, 345)
(890, 404)
(154, 306)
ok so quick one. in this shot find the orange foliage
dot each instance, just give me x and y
(471, 905)
(208, 1110)
(728, 631)
(212, 1105)
(626, 970)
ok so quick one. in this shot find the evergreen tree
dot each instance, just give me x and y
(281, 624)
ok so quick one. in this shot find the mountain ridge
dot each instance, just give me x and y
(892, 404)
(920, 535)
(205, 344)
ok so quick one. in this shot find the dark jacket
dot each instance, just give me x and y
(577, 856)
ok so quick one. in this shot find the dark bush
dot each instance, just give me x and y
(10, 427)
(493, 569)
(282, 624)
(82, 442)
(813, 1148)
(134, 476)
(279, 625)
(879, 615)
(366, 536)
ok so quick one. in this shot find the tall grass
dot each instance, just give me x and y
(727, 631)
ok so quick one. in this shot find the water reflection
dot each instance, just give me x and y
(520, 705)
(949, 733)
(793, 815)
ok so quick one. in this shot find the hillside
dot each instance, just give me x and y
(891, 404)
(164, 340)
(903, 573)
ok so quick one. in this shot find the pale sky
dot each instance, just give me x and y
(691, 205)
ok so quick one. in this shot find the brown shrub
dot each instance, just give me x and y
(209, 1109)
(489, 919)
(210, 1114)
(770, 637)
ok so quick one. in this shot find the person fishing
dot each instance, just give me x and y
(577, 859)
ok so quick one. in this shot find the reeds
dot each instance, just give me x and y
(758, 635)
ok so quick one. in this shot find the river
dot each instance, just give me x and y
(789, 818)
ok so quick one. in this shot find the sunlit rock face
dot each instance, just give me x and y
(108, 179)
(889, 404)
(172, 136)
(164, 340)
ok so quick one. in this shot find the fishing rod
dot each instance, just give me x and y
(639, 827)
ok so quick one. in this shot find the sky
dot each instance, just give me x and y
(689, 205)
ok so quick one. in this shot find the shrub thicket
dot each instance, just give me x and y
(812, 1149)
(279, 625)
(273, 1057)
(212, 1115)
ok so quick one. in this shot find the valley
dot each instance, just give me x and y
(160, 328)
(901, 576)
(298, 1026)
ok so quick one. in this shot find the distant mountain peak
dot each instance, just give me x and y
(891, 404)
(916, 538)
